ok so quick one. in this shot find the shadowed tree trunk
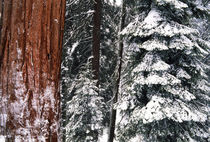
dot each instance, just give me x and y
(30, 57)
(96, 38)
(115, 98)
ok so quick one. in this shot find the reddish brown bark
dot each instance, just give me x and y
(30, 57)
(1, 12)
(96, 39)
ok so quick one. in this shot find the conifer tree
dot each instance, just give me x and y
(165, 93)
(76, 50)
(76, 72)
(85, 109)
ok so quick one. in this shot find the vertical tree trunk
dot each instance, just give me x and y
(30, 57)
(1, 13)
(96, 39)
(115, 98)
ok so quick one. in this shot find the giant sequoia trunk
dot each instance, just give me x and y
(30, 57)
(1, 12)
(96, 38)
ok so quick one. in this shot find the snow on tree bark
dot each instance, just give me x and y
(30, 56)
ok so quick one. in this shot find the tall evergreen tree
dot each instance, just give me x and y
(76, 66)
(77, 57)
(85, 109)
(76, 50)
(166, 87)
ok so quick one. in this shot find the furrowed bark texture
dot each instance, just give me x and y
(1, 5)
(96, 39)
(30, 57)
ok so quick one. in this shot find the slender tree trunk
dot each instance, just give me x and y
(115, 99)
(96, 39)
(30, 57)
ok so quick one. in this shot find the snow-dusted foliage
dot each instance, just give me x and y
(76, 79)
(160, 26)
(159, 108)
(166, 89)
(175, 3)
(84, 110)
(76, 50)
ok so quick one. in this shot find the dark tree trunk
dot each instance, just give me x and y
(96, 39)
(115, 98)
(30, 58)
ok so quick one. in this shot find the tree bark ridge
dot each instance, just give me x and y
(30, 58)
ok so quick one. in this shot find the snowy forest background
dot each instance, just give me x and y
(131, 71)
(154, 70)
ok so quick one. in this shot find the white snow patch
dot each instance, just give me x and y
(29, 139)
(56, 20)
(183, 74)
(90, 11)
(176, 3)
(183, 94)
(159, 108)
(151, 63)
(152, 20)
(17, 107)
(123, 105)
(151, 45)
(133, 47)
(181, 43)
(42, 139)
(3, 118)
(164, 79)
(19, 52)
(48, 97)
(200, 5)
(131, 28)
(204, 85)
(166, 28)
(185, 43)
(118, 2)
(171, 29)
(104, 136)
(2, 138)
(138, 138)
(74, 46)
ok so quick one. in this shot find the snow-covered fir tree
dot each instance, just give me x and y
(76, 50)
(165, 86)
(85, 109)
(76, 73)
